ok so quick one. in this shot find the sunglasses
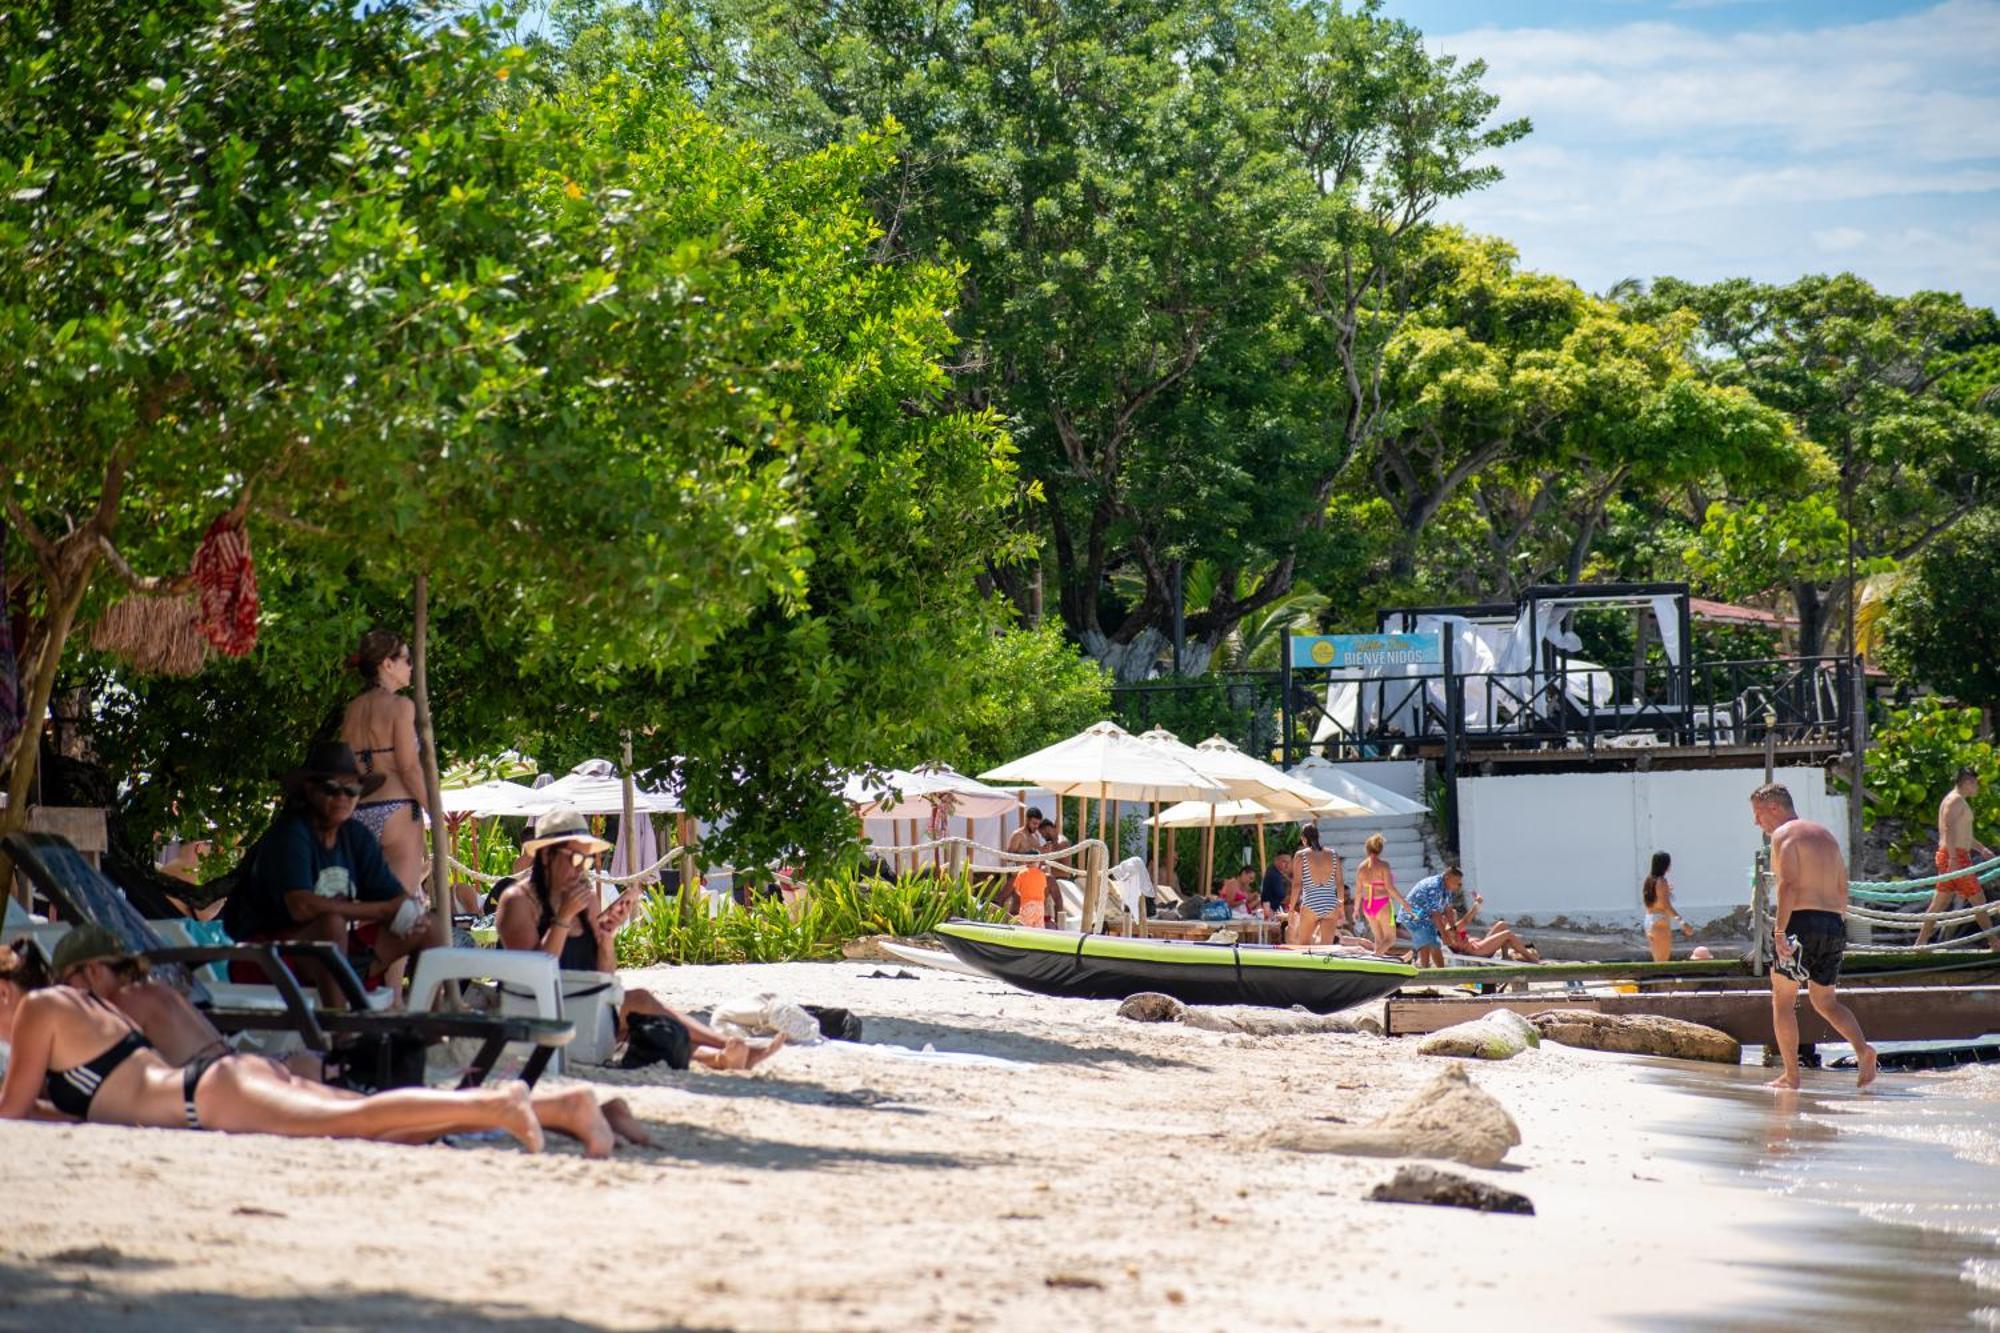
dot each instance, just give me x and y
(583, 860)
(347, 789)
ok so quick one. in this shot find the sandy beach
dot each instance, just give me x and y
(988, 1159)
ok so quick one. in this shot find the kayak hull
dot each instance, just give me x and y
(1108, 967)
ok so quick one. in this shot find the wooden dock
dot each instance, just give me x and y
(1861, 968)
(1886, 1012)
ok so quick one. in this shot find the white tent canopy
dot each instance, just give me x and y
(894, 794)
(1106, 762)
(591, 788)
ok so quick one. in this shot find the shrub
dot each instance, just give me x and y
(1911, 761)
(679, 928)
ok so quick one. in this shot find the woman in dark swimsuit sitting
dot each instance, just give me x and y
(556, 908)
(75, 1057)
(381, 727)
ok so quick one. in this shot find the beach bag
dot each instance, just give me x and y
(653, 1038)
(835, 1023)
(1215, 910)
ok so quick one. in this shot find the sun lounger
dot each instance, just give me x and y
(75, 889)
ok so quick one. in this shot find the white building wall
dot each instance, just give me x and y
(1579, 844)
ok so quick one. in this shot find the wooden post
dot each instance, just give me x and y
(625, 830)
(1208, 855)
(433, 790)
(915, 862)
(1173, 859)
(1153, 840)
(1263, 863)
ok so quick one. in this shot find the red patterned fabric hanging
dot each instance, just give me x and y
(227, 581)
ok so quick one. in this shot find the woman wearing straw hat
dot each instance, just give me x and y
(91, 959)
(74, 1056)
(556, 909)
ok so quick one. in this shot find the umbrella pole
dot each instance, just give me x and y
(1208, 855)
(1173, 858)
(1153, 838)
(915, 863)
(1263, 863)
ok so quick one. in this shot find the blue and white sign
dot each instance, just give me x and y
(1366, 650)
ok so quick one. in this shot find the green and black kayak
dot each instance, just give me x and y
(1110, 967)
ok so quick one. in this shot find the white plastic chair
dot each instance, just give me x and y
(531, 984)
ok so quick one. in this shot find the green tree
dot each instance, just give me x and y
(1869, 378)
(676, 451)
(1943, 622)
(1178, 228)
(1534, 405)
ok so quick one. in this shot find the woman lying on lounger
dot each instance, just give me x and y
(555, 908)
(90, 959)
(75, 1056)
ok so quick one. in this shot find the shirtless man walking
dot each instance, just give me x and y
(1810, 929)
(1956, 846)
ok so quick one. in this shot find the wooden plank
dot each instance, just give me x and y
(82, 825)
(1951, 968)
(1886, 1013)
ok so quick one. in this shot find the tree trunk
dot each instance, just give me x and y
(64, 599)
(441, 903)
(1812, 620)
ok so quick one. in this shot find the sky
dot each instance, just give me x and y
(1722, 138)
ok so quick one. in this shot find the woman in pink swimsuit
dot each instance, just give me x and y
(1375, 886)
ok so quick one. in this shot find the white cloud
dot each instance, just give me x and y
(1661, 148)
(1835, 239)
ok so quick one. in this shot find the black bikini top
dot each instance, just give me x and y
(72, 1090)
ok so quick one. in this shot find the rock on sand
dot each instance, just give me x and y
(1427, 1184)
(1450, 1119)
(1638, 1034)
(1153, 1007)
(1500, 1035)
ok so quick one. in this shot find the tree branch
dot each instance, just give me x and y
(155, 586)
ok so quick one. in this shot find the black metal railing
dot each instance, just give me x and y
(1793, 701)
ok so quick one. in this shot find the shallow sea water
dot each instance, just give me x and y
(1901, 1187)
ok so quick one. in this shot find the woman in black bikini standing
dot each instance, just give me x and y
(381, 728)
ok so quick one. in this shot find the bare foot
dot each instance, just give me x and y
(517, 1116)
(573, 1111)
(759, 1054)
(1865, 1057)
(1785, 1083)
(624, 1124)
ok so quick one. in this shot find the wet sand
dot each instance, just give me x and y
(1046, 1164)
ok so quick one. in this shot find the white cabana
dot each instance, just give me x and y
(923, 800)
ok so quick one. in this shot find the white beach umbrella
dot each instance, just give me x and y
(1230, 814)
(1107, 762)
(491, 799)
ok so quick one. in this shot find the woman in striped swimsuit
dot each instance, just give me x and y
(1318, 895)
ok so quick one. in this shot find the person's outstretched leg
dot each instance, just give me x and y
(1785, 1029)
(1827, 1001)
(244, 1096)
(1940, 898)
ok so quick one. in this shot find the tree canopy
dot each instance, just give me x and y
(674, 449)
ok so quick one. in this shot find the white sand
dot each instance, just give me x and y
(843, 1187)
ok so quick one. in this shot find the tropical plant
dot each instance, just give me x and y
(688, 927)
(1942, 626)
(1912, 759)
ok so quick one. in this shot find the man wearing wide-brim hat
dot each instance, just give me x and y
(318, 873)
